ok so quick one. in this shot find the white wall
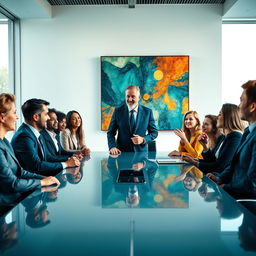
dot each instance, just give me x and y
(61, 56)
(238, 57)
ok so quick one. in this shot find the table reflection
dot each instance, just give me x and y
(164, 185)
(175, 204)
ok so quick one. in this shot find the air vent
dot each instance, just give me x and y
(125, 2)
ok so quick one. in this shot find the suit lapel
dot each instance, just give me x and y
(192, 139)
(125, 114)
(39, 150)
(9, 150)
(219, 141)
(72, 141)
(248, 138)
(49, 139)
(140, 116)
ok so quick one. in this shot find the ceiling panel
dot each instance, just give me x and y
(120, 2)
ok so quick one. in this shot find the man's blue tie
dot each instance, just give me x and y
(42, 146)
(132, 121)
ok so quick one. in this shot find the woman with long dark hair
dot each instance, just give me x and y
(73, 138)
(62, 121)
(211, 131)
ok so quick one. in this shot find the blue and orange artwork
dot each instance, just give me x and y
(163, 82)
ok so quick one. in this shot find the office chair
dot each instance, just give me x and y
(250, 204)
(152, 149)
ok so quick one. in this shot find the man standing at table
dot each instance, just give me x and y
(240, 178)
(134, 123)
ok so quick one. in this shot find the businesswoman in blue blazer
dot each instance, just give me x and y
(12, 177)
(219, 157)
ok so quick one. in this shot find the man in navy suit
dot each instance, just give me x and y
(134, 123)
(29, 146)
(51, 139)
(239, 179)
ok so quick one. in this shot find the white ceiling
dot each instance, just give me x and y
(241, 9)
(27, 9)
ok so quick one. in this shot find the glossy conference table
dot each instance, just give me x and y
(175, 211)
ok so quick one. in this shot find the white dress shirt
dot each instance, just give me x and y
(53, 137)
(135, 112)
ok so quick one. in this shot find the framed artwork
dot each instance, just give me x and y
(163, 82)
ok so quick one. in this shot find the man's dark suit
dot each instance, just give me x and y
(28, 151)
(62, 154)
(12, 177)
(120, 122)
(240, 177)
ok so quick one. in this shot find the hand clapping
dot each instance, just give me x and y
(181, 134)
(204, 139)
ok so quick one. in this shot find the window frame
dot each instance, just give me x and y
(14, 55)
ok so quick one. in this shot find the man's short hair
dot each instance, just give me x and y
(52, 110)
(130, 87)
(33, 106)
(60, 116)
(250, 90)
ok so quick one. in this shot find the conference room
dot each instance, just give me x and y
(81, 55)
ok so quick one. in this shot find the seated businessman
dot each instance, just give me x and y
(29, 146)
(239, 179)
(51, 139)
(134, 123)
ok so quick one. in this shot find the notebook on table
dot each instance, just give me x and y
(170, 161)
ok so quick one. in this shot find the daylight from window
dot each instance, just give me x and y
(3, 55)
(238, 59)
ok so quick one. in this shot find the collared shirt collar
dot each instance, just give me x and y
(51, 133)
(34, 130)
(252, 126)
(135, 109)
(53, 137)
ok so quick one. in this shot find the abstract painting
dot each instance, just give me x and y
(163, 82)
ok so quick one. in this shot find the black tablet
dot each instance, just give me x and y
(130, 176)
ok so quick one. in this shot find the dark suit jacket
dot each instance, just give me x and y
(62, 154)
(240, 177)
(226, 153)
(145, 127)
(12, 177)
(27, 150)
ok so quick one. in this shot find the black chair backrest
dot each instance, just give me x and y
(152, 146)
(152, 149)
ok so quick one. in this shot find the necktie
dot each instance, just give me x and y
(58, 141)
(41, 146)
(132, 121)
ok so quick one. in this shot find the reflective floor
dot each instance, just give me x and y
(128, 205)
